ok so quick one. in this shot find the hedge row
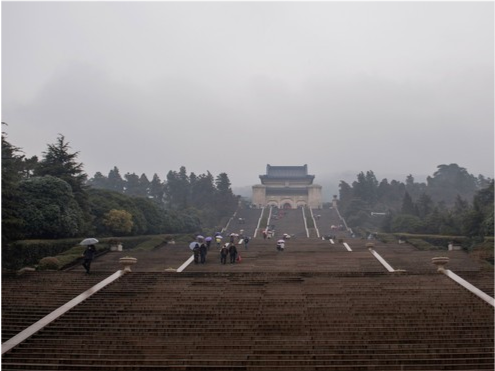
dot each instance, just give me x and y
(29, 252)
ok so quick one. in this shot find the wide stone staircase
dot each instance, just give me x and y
(314, 306)
(245, 220)
(288, 221)
(325, 219)
(30, 297)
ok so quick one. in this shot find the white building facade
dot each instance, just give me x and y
(287, 187)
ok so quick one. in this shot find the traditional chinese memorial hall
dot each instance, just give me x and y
(287, 187)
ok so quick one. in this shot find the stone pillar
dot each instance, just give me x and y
(440, 262)
(116, 247)
(259, 195)
(314, 196)
(127, 262)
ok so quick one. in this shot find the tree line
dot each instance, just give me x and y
(52, 197)
(451, 202)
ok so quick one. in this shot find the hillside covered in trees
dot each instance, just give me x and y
(52, 197)
(451, 202)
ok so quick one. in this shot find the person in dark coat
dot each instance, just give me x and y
(224, 251)
(232, 253)
(196, 253)
(202, 252)
(246, 241)
(88, 255)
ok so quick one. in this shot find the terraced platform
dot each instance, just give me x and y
(315, 306)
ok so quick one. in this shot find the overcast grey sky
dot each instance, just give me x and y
(393, 87)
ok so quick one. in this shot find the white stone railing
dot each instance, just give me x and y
(259, 222)
(314, 222)
(186, 263)
(387, 266)
(441, 262)
(227, 225)
(305, 223)
(45, 321)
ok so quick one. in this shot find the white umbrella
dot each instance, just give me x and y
(280, 241)
(88, 241)
(220, 237)
(199, 237)
(192, 245)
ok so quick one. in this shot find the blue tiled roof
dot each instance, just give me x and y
(286, 172)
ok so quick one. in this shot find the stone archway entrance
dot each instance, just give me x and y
(288, 187)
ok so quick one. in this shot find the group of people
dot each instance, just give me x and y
(229, 249)
(280, 245)
(199, 251)
(201, 248)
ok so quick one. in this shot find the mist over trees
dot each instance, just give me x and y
(53, 198)
(451, 202)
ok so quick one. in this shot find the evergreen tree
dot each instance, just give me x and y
(132, 186)
(448, 182)
(59, 162)
(203, 191)
(144, 186)
(414, 189)
(12, 172)
(115, 181)
(478, 219)
(382, 191)
(424, 205)
(157, 189)
(226, 201)
(178, 189)
(366, 187)
(99, 181)
(408, 205)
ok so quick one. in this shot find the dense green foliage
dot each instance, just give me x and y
(21, 253)
(53, 198)
(49, 209)
(452, 202)
(12, 173)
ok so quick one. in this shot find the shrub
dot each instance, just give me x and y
(49, 263)
(422, 244)
(114, 241)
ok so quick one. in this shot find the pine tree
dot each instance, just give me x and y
(12, 170)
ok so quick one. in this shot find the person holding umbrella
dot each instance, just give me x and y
(88, 255)
(203, 250)
(208, 242)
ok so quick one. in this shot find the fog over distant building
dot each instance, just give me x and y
(287, 187)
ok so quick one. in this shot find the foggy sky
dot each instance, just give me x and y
(393, 87)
